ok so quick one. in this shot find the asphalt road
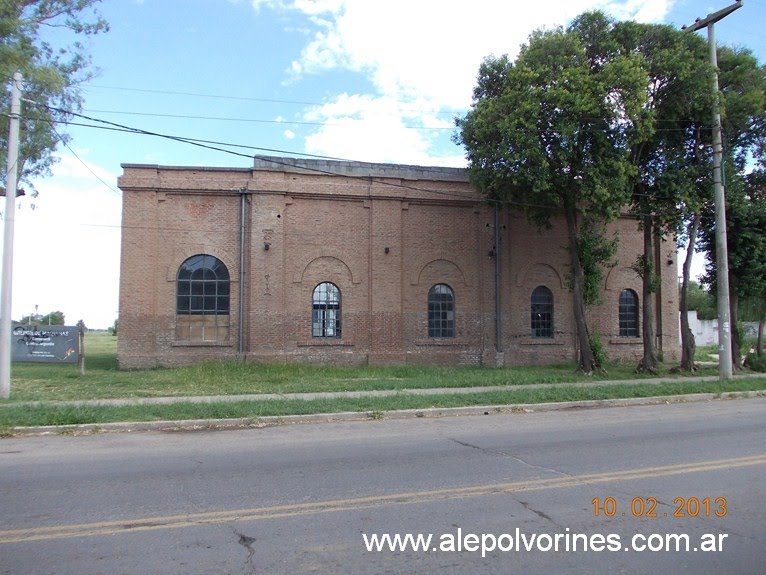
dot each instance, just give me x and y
(301, 498)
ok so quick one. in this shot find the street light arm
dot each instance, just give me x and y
(712, 18)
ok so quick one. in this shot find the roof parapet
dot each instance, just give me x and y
(358, 169)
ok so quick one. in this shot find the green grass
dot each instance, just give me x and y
(102, 380)
(706, 353)
(376, 408)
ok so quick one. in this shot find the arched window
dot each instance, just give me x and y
(542, 312)
(202, 299)
(325, 315)
(441, 311)
(628, 313)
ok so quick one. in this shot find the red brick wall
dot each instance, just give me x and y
(384, 242)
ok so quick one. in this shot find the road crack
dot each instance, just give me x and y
(537, 512)
(512, 456)
(247, 542)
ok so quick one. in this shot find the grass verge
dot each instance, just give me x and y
(21, 416)
(103, 379)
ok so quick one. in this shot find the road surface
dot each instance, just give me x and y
(577, 491)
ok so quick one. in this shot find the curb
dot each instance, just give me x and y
(276, 420)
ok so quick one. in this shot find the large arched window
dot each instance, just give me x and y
(542, 312)
(628, 313)
(202, 299)
(325, 315)
(441, 311)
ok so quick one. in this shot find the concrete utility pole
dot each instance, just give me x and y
(722, 255)
(11, 182)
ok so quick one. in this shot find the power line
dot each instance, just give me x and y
(87, 167)
(319, 124)
(215, 146)
(202, 95)
(209, 144)
(229, 97)
(249, 120)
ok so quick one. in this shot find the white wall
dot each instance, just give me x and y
(706, 330)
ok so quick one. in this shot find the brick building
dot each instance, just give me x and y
(314, 260)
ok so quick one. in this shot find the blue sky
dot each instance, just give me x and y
(351, 79)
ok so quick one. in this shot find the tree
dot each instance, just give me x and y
(701, 301)
(741, 94)
(550, 131)
(51, 318)
(51, 74)
(663, 146)
(692, 217)
(746, 246)
(743, 102)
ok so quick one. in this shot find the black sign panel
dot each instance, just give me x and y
(45, 343)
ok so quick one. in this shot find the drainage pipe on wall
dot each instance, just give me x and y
(241, 303)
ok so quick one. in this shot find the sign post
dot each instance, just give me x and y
(81, 346)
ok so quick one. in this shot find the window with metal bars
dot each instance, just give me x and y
(325, 315)
(628, 313)
(542, 312)
(441, 311)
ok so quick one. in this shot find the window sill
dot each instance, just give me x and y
(626, 341)
(441, 341)
(541, 341)
(193, 343)
(325, 342)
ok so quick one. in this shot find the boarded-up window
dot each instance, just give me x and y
(202, 300)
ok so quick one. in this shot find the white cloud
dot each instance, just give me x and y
(432, 49)
(426, 52)
(640, 10)
(378, 129)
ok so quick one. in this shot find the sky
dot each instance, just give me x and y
(350, 79)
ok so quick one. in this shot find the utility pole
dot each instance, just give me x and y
(722, 255)
(11, 183)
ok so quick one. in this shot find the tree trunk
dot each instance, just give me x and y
(688, 344)
(586, 361)
(759, 344)
(649, 363)
(736, 344)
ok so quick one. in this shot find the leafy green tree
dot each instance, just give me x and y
(663, 146)
(701, 301)
(743, 105)
(746, 246)
(742, 81)
(51, 73)
(549, 133)
(52, 318)
(741, 94)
